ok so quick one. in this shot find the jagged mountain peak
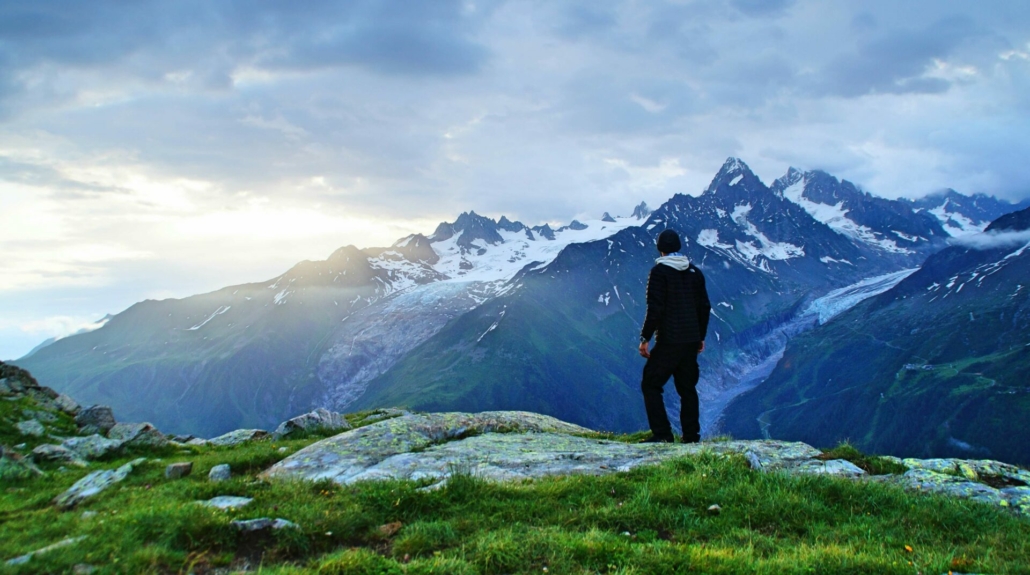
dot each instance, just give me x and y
(734, 172)
(607, 217)
(641, 211)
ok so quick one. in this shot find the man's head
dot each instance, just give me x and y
(669, 242)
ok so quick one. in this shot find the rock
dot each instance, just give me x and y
(238, 436)
(390, 529)
(262, 524)
(138, 435)
(31, 427)
(839, 467)
(88, 515)
(83, 569)
(14, 466)
(92, 446)
(93, 484)
(384, 414)
(714, 509)
(283, 449)
(96, 418)
(28, 556)
(219, 473)
(66, 404)
(197, 442)
(57, 453)
(39, 415)
(183, 438)
(320, 418)
(177, 470)
(226, 502)
(4, 388)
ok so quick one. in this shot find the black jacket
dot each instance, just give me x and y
(677, 305)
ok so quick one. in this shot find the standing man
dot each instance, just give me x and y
(678, 310)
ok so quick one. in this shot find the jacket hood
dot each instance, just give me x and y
(680, 263)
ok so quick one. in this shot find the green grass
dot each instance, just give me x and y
(650, 520)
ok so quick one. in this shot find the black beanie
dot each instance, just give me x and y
(669, 242)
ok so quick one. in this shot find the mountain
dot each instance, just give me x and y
(562, 339)
(962, 215)
(935, 366)
(486, 314)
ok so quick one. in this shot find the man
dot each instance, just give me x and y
(677, 310)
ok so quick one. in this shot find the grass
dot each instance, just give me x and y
(650, 520)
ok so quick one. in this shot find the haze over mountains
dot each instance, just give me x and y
(486, 314)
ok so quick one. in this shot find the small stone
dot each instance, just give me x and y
(714, 509)
(390, 529)
(31, 427)
(238, 436)
(88, 515)
(262, 524)
(138, 434)
(196, 442)
(283, 449)
(21, 446)
(67, 404)
(183, 438)
(177, 470)
(96, 416)
(28, 556)
(83, 569)
(219, 473)
(226, 502)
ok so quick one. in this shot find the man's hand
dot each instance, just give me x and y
(701, 346)
(643, 350)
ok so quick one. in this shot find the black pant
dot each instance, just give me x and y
(678, 360)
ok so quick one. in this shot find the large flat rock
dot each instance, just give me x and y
(500, 445)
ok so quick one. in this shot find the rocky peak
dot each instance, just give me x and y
(510, 226)
(544, 231)
(734, 174)
(416, 248)
(641, 211)
(607, 217)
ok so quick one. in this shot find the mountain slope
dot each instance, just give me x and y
(935, 366)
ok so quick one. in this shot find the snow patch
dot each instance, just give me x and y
(218, 312)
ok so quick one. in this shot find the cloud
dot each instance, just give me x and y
(162, 128)
(992, 240)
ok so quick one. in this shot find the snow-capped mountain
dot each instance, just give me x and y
(885, 225)
(486, 313)
(944, 361)
(962, 215)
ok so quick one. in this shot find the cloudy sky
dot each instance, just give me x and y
(160, 149)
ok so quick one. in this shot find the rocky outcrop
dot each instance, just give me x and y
(505, 446)
(236, 437)
(319, 419)
(138, 434)
(95, 419)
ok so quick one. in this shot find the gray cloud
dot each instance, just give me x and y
(167, 120)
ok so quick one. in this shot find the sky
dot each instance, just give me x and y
(160, 149)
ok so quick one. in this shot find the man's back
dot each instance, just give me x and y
(677, 302)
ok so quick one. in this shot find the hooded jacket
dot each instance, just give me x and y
(677, 302)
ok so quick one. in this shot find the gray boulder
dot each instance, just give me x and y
(5, 389)
(219, 473)
(138, 434)
(95, 419)
(94, 483)
(67, 404)
(237, 437)
(31, 427)
(58, 453)
(92, 446)
(197, 442)
(320, 418)
(28, 556)
(178, 470)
